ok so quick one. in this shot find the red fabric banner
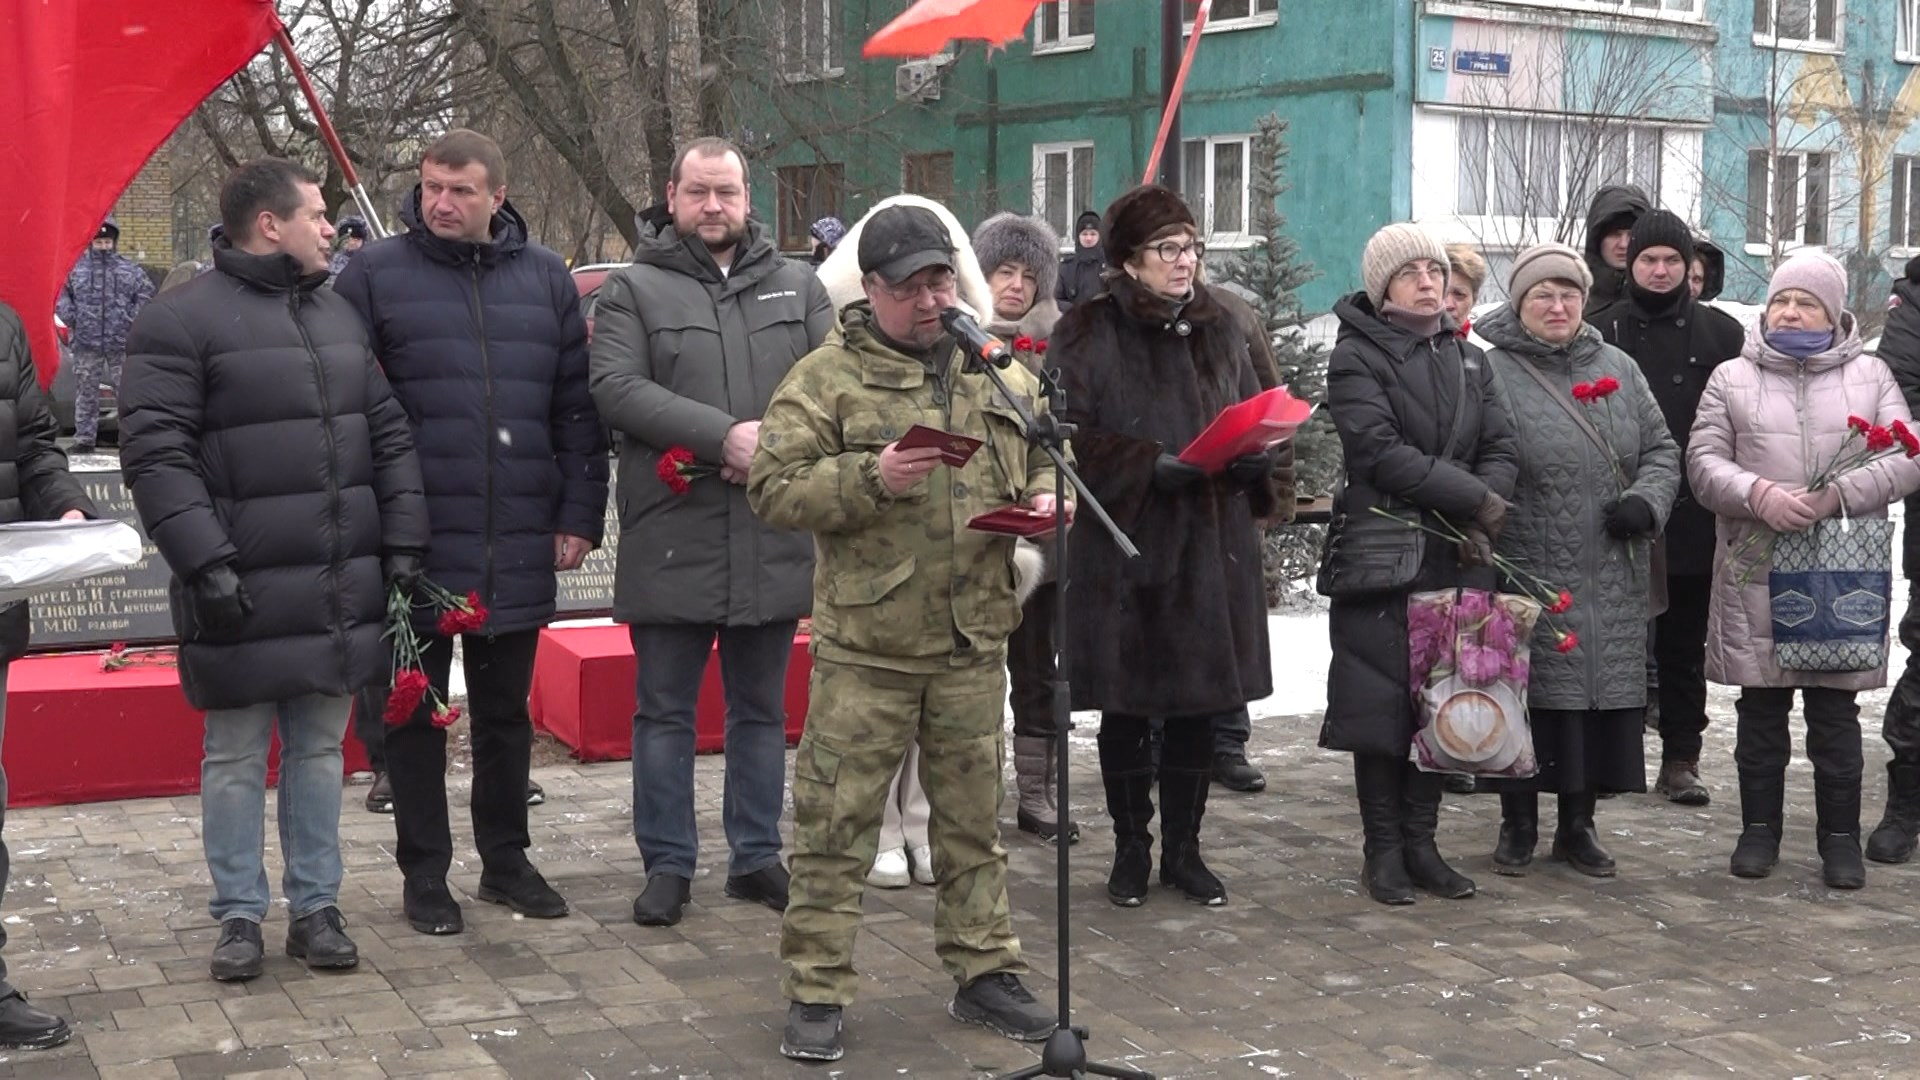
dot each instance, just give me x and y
(88, 91)
(927, 27)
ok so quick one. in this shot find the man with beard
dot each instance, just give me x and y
(1677, 342)
(480, 332)
(689, 343)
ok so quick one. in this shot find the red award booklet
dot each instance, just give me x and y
(954, 449)
(1014, 521)
(1261, 421)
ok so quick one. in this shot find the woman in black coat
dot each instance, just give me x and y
(1180, 633)
(1423, 436)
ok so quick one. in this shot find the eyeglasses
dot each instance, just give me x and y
(1420, 271)
(910, 291)
(1169, 251)
(1549, 300)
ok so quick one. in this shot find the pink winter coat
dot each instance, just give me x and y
(1767, 415)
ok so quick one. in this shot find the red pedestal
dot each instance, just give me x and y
(75, 733)
(583, 693)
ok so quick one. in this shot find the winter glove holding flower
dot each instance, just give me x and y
(402, 569)
(1492, 515)
(1476, 547)
(1823, 503)
(220, 603)
(1629, 517)
(1778, 508)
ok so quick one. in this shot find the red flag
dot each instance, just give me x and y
(87, 93)
(925, 28)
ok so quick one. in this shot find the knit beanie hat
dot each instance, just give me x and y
(1135, 217)
(1817, 273)
(1660, 228)
(1547, 262)
(1029, 241)
(1392, 248)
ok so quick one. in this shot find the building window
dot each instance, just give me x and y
(1533, 167)
(1906, 42)
(930, 175)
(1906, 202)
(809, 38)
(806, 194)
(1063, 24)
(1797, 22)
(1062, 183)
(1213, 176)
(1666, 9)
(1234, 14)
(1787, 198)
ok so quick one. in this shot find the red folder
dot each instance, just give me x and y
(1014, 521)
(1261, 421)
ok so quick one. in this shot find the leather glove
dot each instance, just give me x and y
(1476, 548)
(1171, 474)
(1492, 515)
(1250, 469)
(1777, 508)
(1629, 517)
(402, 569)
(220, 602)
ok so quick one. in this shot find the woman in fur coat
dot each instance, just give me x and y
(1179, 633)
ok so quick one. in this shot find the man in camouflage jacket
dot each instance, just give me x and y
(102, 295)
(911, 613)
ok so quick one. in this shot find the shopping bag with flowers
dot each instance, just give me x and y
(1468, 663)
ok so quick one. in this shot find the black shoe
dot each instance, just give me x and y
(1458, 784)
(1132, 867)
(81, 447)
(1680, 782)
(1181, 868)
(1576, 840)
(664, 900)
(23, 1027)
(813, 1031)
(380, 795)
(1234, 772)
(238, 955)
(430, 908)
(1427, 870)
(767, 885)
(1757, 852)
(526, 892)
(536, 795)
(1840, 865)
(1519, 834)
(1893, 839)
(321, 940)
(1048, 831)
(999, 1003)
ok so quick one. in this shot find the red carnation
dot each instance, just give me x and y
(1563, 604)
(409, 687)
(1859, 424)
(445, 718)
(1879, 438)
(1908, 440)
(1040, 347)
(1569, 641)
(1605, 386)
(678, 469)
(1023, 343)
(1583, 393)
(463, 616)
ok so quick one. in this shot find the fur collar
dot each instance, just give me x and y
(841, 272)
(1143, 305)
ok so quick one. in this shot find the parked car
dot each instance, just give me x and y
(589, 279)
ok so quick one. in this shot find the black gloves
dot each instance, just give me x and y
(1476, 548)
(1629, 517)
(220, 603)
(1492, 515)
(1172, 474)
(402, 569)
(1250, 470)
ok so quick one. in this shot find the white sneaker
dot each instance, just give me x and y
(890, 870)
(923, 864)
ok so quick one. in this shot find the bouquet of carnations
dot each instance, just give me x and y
(410, 685)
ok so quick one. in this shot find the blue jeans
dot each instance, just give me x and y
(753, 669)
(233, 804)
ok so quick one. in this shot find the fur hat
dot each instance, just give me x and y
(1135, 217)
(1392, 248)
(1660, 228)
(840, 272)
(1817, 273)
(1547, 262)
(1008, 237)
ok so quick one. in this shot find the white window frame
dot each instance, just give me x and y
(833, 55)
(1906, 246)
(1694, 11)
(1063, 40)
(1222, 24)
(1770, 38)
(1765, 246)
(1567, 200)
(1217, 239)
(1906, 39)
(1041, 151)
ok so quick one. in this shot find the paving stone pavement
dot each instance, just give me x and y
(1673, 968)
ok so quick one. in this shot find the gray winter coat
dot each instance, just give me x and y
(102, 295)
(681, 353)
(1560, 501)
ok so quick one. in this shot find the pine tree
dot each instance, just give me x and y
(1272, 272)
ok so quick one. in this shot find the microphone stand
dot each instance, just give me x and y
(1065, 1054)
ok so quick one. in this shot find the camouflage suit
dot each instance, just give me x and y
(911, 612)
(102, 295)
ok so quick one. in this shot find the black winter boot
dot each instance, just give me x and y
(1893, 840)
(1763, 816)
(1378, 784)
(1519, 833)
(1183, 802)
(1130, 804)
(1837, 808)
(1421, 791)
(1574, 837)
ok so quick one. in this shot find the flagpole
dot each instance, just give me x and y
(1174, 66)
(327, 133)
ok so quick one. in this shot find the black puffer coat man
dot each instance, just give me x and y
(258, 434)
(487, 349)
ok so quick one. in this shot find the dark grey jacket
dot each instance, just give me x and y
(1559, 502)
(681, 353)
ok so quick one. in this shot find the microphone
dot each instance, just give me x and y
(979, 344)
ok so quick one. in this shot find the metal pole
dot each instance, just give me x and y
(327, 133)
(1168, 145)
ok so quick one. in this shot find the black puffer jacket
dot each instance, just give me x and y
(1080, 272)
(1900, 350)
(1394, 396)
(1677, 347)
(34, 482)
(487, 350)
(257, 431)
(1613, 209)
